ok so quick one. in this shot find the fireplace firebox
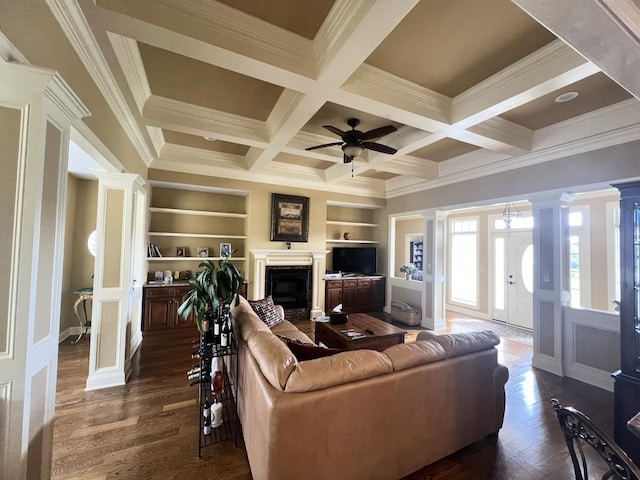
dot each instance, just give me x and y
(290, 286)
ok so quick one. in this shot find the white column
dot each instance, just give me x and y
(114, 277)
(36, 111)
(434, 248)
(550, 246)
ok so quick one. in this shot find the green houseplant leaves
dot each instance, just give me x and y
(215, 284)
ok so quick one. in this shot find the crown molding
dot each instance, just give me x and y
(128, 55)
(183, 154)
(506, 136)
(75, 27)
(196, 120)
(9, 52)
(541, 72)
(279, 175)
(242, 33)
(597, 142)
(432, 109)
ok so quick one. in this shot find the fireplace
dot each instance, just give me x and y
(291, 287)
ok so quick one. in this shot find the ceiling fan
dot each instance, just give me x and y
(354, 141)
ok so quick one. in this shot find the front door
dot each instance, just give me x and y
(513, 278)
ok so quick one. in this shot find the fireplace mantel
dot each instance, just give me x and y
(315, 258)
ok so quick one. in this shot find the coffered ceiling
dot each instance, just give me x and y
(239, 88)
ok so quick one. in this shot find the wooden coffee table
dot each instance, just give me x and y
(384, 334)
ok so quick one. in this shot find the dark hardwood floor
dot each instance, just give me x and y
(147, 429)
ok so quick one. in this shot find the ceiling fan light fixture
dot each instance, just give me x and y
(352, 150)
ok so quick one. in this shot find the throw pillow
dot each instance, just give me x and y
(286, 339)
(309, 351)
(266, 310)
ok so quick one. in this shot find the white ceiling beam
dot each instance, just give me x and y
(196, 120)
(603, 31)
(544, 71)
(264, 52)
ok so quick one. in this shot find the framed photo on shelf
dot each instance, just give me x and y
(225, 250)
(289, 218)
(203, 251)
(181, 251)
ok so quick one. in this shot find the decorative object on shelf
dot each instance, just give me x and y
(159, 276)
(203, 252)
(216, 285)
(347, 236)
(181, 251)
(509, 213)
(354, 141)
(168, 276)
(289, 218)
(225, 250)
(408, 270)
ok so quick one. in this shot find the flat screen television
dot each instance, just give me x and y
(355, 260)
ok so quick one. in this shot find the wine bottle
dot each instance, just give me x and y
(206, 424)
(225, 333)
(207, 321)
(216, 329)
(217, 384)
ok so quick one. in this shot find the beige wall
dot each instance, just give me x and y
(82, 204)
(258, 207)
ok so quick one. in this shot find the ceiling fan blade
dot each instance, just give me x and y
(325, 145)
(335, 130)
(346, 159)
(378, 132)
(378, 147)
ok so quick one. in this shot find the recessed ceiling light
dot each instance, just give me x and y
(210, 139)
(566, 97)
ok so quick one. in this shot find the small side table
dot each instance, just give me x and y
(84, 294)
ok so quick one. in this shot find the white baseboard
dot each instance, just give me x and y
(71, 332)
(592, 376)
(468, 311)
(547, 363)
(105, 380)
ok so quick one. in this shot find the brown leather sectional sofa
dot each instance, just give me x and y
(363, 414)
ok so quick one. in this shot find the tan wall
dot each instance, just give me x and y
(258, 207)
(82, 206)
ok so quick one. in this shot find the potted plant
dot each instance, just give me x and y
(216, 285)
(408, 270)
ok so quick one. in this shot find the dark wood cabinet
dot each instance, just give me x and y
(361, 294)
(160, 309)
(627, 380)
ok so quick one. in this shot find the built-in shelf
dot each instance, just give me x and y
(351, 241)
(195, 235)
(351, 224)
(179, 211)
(190, 259)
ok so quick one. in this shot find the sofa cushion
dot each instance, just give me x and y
(274, 358)
(456, 344)
(247, 320)
(407, 355)
(345, 367)
(309, 351)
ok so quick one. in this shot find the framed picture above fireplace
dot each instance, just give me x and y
(289, 218)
